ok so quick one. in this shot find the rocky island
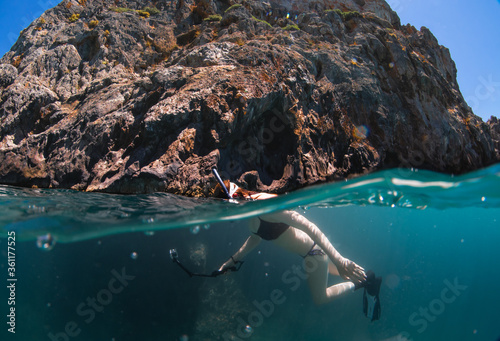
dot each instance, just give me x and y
(133, 96)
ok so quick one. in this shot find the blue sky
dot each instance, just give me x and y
(470, 29)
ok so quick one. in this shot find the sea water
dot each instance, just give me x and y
(93, 266)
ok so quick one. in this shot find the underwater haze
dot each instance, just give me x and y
(93, 266)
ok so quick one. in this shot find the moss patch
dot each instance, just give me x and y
(120, 9)
(93, 23)
(151, 10)
(143, 14)
(213, 17)
(74, 17)
(346, 16)
(233, 7)
(262, 21)
(291, 27)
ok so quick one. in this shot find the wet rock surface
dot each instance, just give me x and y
(124, 97)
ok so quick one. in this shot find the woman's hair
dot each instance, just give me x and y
(219, 191)
(240, 192)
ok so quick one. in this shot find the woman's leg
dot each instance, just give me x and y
(332, 269)
(317, 270)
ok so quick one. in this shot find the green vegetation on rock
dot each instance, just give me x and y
(292, 27)
(151, 10)
(120, 9)
(233, 7)
(144, 14)
(213, 17)
(346, 16)
(93, 23)
(74, 17)
(262, 21)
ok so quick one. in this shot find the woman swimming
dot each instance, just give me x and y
(295, 233)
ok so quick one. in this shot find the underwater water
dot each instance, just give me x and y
(93, 266)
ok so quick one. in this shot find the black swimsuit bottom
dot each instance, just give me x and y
(271, 231)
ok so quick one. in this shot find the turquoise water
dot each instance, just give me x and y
(93, 266)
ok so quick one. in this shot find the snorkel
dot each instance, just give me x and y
(221, 183)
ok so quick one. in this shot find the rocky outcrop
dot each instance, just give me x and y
(120, 96)
(494, 124)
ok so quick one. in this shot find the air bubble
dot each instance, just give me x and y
(248, 329)
(361, 132)
(195, 229)
(206, 226)
(36, 209)
(392, 281)
(134, 255)
(45, 242)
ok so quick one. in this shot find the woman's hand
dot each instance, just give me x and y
(351, 271)
(227, 265)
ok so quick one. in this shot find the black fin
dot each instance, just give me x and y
(376, 310)
(365, 304)
(371, 300)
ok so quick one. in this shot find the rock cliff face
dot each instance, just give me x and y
(135, 96)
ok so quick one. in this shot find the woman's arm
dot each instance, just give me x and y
(246, 248)
(347, 268)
